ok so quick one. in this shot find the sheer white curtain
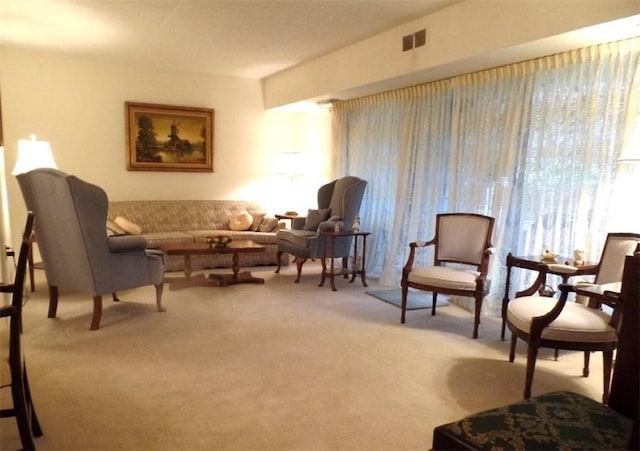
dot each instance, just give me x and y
(533, 144)
(379, 139)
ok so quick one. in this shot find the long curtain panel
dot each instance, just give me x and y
(533, 144)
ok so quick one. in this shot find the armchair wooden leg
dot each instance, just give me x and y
(512, 349)
(53, 301)
(607, 364)
(97, 313)
(114, 297)
(159, 290)
(279, 259)
(299, 262)
(476, 319)
(434, 301)
(585, 368)
(532, 355)
(405, 291)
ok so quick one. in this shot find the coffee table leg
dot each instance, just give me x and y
(236, 264)
(223, 280)
(187, 266)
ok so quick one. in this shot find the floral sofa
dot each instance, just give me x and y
(160, 221)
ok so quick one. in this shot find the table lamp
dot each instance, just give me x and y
(33, 154)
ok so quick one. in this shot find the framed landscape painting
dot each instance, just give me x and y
(169, 138)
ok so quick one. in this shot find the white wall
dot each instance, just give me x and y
(466, 37)
(78, 106)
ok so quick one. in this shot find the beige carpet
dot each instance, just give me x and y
(274, 366)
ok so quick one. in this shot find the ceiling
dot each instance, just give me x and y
(250, 39)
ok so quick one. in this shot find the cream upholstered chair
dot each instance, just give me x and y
(563, 419)
(545, 322)
(71, 231)
(462, 251)
(338, 202)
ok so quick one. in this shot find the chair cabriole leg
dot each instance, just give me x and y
(299, 262)
(97, 313)
(53, 301)
(279, 256)
(159, 290)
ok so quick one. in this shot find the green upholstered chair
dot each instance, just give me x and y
(566, 420)
(338, 202)
(71, 231)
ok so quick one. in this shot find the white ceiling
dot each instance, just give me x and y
(251, 39)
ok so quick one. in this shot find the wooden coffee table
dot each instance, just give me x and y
(235, 248)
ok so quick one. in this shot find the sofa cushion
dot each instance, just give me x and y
(268, 225)
(257, 220)
(154, 239)
(315, 217)
(240, 221)
(171, 215)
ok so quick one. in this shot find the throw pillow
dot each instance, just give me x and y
(114, 229)
(257, 220)
(315, 217)
(268, 225)
(129, 227)
(240, 221)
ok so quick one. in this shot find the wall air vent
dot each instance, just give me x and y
(407, 42)
(414, 40)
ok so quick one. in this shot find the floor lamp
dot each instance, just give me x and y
(5, 230)
(32, 154)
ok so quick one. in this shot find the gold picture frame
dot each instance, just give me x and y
(169, 138)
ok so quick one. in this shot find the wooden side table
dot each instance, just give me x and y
(346, 271)
(289, 217)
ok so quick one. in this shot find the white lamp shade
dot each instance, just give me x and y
(33, 154)
(291, 164)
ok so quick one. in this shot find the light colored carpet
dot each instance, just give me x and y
(416, 300)
(279, 366)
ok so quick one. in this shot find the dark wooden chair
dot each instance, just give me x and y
(462, 239)
(566, 420)
(22, 409)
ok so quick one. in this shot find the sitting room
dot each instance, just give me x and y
(244, 209)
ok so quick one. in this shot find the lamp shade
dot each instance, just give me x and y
(291, 164)
(33, 154)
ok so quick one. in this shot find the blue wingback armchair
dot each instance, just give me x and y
(70, 228)
(338, 202)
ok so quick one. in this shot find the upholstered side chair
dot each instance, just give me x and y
(545, 322)
(462, 251)
(71, 231)
(338, 202)
(563, 419)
